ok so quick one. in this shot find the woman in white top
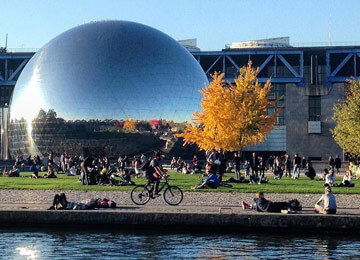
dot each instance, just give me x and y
(137, 167)
(347, 180)
(330, 178)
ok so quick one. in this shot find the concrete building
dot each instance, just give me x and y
(189, 44)
(308, 81)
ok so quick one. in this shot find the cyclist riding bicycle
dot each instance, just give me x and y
(155, 172)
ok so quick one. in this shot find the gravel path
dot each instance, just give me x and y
(190, 198)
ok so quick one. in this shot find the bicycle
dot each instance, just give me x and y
(141, 194)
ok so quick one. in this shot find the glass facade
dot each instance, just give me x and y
(314, 108)
(278, 93)
(80, 88)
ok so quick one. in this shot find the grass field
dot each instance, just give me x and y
(185, 182)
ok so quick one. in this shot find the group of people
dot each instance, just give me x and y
(325, 205)
(127, 165)
(182, 166)
(330, 179)
(14, 172)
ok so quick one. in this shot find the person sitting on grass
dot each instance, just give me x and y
(35, 173)
(347, 180)
(5, 172)
(72, 171)
(14, 172)
(322, 177)
(186, 169)
(329, 202)
(211, 182)
(330, 179)
(357, 173)
(311, 172)
(50, 173)
(263, 205)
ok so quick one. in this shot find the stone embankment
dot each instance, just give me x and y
(190, 198)
(199, 210)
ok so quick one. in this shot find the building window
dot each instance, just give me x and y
(314, 108)
(278, 93)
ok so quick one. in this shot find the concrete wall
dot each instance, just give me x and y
(173, 221)
(297, 115)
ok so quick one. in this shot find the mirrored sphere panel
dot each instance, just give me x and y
(101, 85)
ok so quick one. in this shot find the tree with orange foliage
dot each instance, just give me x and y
(233, 115)
(130, 124)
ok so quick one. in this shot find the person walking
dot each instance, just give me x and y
(331, 163)
(261, 169)
(237, 162)
(287, 165)
(254, 165)
(297, 165)
(303, 163)
(337, 164)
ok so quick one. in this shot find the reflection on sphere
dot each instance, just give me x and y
(80, 88)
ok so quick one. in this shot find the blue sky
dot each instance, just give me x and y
(32, 23)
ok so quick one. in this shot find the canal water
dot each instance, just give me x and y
(77, 244)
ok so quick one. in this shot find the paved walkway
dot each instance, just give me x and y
(194, 202)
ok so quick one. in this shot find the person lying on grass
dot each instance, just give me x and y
(263, 205)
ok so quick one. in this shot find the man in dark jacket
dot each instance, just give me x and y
(263, 205)
(254, 164)
(337, 164)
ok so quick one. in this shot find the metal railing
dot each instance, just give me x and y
(16, 50)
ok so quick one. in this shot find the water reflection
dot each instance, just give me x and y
(152, 245)
(28, 253)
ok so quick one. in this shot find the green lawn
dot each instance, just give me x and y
(185, 182)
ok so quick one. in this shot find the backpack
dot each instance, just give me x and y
(146, 165)
(295, 205)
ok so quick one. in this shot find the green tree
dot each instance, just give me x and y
(347, 117)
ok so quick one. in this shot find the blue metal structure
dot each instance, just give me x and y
(347, 68)
(12, 65)
(341, 63)
(271, 60)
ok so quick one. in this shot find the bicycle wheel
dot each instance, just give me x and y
(173, 195)
(140, 195)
